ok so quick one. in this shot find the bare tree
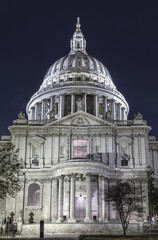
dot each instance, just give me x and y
(125, 197)
(10, 170)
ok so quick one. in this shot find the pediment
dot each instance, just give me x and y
(124, 139)
(80, 119)
(35, 139)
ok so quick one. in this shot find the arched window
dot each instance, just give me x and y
(34, 195)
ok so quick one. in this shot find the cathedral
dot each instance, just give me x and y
(75, 141)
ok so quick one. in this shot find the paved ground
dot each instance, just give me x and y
(92, 237)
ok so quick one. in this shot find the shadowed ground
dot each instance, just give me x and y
(97, 237)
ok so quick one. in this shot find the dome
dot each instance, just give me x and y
(77, 76)
(78, 61)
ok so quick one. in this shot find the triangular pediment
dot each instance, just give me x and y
(80, 118)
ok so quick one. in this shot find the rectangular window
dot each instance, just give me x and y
(79, 148)
(35, 162)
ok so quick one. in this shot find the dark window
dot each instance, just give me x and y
(67, 105)
(124, 162)
(90, 104)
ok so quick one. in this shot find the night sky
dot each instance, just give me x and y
(122, 34)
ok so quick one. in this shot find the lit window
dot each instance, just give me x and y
(80, 148)
(34, 195)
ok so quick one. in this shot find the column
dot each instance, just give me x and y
(100, 199)
(51, 103)
(88, 199)
(85, 102)
(119, 111)
(131, 155)
(72, 199)
(72, 103)
(139, 149)
(105, 107)
(61, 107)
(46, 200)
(123, 113)
(30, 154)
(109, 210)
(111, 151)
(113, 110)
(143, 150)
(54, 200)
(36, 112)
(30, 114)
(42, 163)
(103, 200)
(60, 199)
(43, 110)
(96, 105)
(33, 113)
(136, 154)
(106, 150)
(28, 158)
(118, 163)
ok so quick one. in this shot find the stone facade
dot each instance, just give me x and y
(75, 143)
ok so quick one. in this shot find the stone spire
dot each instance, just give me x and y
(78, 42)
(78, 25)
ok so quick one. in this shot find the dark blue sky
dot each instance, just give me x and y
(122, 34)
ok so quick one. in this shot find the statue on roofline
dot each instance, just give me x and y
(138, 116)
(21, 115)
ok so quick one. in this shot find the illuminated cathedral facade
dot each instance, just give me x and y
(76, 141)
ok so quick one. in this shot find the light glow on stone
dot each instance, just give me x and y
(80, 197)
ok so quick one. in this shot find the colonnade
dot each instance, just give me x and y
(103, 107)
(58, 197)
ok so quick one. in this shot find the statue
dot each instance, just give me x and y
(125, 159)
(21, 115)
(48, 113)
(51, 114)
(139, 116)
(108, 114)
(80, 104)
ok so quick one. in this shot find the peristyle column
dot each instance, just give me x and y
(88, 199)
(85, 102)
(72, 199)
(51, 103)
(72, 103)
(119, 111)
(60, 200)
(105, 107)
(113, 110)
(43, 110)
(54, 200)
(96, 105)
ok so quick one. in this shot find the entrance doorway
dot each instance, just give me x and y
(80, 208)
